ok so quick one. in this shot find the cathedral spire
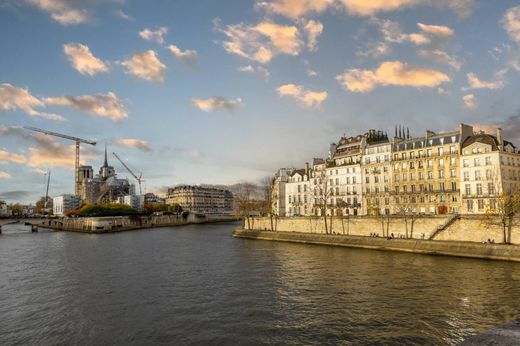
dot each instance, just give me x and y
(106, 160)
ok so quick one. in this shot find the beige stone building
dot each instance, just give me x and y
(426, 172)
(489, 167)
(200, 199)
(297, 193)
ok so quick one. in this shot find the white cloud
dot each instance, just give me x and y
(12, 98)
(511, 23)
(307, 97)
(62, 11)
(295, 8)
(441, 57)
(216, 102)
(133, 143)
(470, 101)
(436, 30)
(260, 71)
(390, 73)
(154, 35)
(146, 65)
(11, 157)
(263, 41)
(121, 14)
(186, 56)
(104, 105)
(371, 7)
(5, 175)
(313, 29)
(475, 83)
(83, 60)
(312, 73)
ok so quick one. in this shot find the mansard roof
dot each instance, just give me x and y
(485, 138)
(433, 139)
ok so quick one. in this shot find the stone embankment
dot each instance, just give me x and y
(466, 228)
(431, 247)
(507, 334)
(126, 223)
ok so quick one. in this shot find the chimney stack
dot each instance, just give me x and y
(307, 169)
(500, 139)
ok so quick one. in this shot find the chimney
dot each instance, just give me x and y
(465, 131)
(500, 139)
(307, 169)
(332, 150)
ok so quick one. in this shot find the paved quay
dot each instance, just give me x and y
(507, 334)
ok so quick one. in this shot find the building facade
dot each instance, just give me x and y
(456, 171)
(278, 191)
(200, 199)
(63, 203)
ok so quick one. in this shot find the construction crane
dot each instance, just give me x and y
(45, 210)
(138, 178)
(75, 139)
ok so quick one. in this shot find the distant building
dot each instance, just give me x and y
(152, 198)
(134, 201)
(201, 199)
(63, 203)
(4, 210)
(278, 194)
(103, 188)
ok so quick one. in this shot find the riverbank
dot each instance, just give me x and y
(507, 334)
(429, 247)
(110, 224)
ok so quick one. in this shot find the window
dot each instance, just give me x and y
(491, 188)
(453, 186)
(421, 153)
(441, 174)
(468, 189)
(441, 162)
(412, 155)
(488, 160)
(469, 204)
(476, 161)
(477, 175)
(452, 161)
(488, 174)
(421, 175)
(441, 151)
(430, 163)
(403, 156)
(430, 175)
(466, 176)
(420, 164)
(453, 173)
(480, 203)
(411, 164)
(465, 163)
(479, 189)
(413, 188)
(441, 187)
(429, 152)
(452, 149)
(430, 187)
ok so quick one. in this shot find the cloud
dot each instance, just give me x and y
(49, 152)
(470, 102)
(260, 71)
(390, 73)
(11, 157)
(216, 102)
(12, 98)
(186, 56)
(133, 143)
(475, 83)
(121, 14)
(371, 7)
(104, 105)
(154, 35)
(436, 30)
(313, 29)
(83, 60)
(62, 11)
(295, 8)
(146, 65)
(312, 73)
(441, 57)
(511, 23)
(5, 175)
(263, 41)
(14, 195)
(307, 97)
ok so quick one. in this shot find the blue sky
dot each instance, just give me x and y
(223, 91)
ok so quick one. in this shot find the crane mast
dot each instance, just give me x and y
(77, 140)
(139, 179)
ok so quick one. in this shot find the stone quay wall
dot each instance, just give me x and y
(126, 223)
(429, 247)
(473, 228)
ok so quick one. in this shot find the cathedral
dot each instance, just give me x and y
(105, 187)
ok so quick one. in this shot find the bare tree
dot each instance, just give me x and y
(270, 199)
(244, 203)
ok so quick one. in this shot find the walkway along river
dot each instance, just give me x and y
(196, 284)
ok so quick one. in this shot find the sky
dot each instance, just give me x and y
(218, 92)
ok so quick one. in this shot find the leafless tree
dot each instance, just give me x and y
(270, 198)
(244, 203)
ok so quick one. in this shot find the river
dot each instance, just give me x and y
(198, 285)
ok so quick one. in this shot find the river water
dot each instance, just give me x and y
(198, 285)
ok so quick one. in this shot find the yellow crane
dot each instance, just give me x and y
(72, 138)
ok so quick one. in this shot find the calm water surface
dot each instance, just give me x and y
(197, 285)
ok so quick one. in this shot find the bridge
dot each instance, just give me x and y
(28, 221)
